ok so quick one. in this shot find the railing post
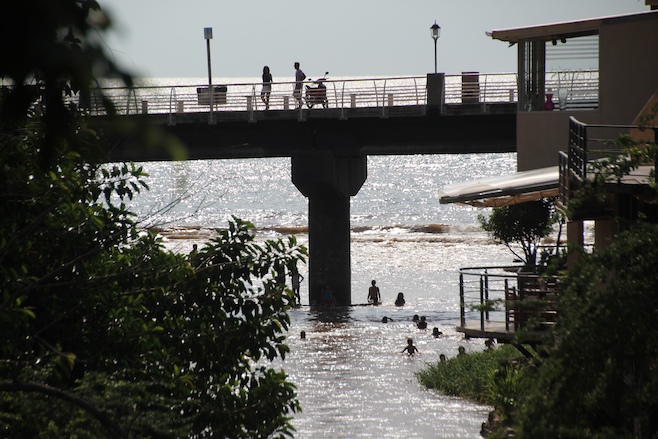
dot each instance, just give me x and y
(484, 95)
(583, 146)
(250, 108)
(343, 115)
(507, 315)
(172, 98)
(655, 139)
(462, 313)
(521, 320)
(416, 92)
(481, 303)
(301, 111)
(486, 292)
(384, 113)
(131, 92)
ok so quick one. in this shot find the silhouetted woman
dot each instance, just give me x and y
(267, 87)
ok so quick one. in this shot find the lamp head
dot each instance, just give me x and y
(435, 29)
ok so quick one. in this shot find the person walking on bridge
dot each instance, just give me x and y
(299, 79)
(267, 87)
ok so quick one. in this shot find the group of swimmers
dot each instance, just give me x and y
(421, 323)
(375, 297)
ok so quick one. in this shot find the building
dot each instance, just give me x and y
(581, 84)
(600, 70)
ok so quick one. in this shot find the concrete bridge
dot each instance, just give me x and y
(329, 146)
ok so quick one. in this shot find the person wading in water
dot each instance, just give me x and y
(373, 294)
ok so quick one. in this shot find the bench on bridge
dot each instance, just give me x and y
(218, 95)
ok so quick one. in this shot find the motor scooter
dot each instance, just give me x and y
(318, 94)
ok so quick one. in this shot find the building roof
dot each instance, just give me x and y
(505, 190)
(566, 29)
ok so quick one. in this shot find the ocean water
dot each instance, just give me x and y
(352, 379)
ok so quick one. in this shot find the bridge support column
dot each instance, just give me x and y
(328, 181)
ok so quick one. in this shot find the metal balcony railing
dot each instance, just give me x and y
(507, 298)
(587, 144)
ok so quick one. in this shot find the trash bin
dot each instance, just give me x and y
(470, 88)
(218, 95)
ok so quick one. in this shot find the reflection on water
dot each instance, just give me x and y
(354, 382)
(334, 316)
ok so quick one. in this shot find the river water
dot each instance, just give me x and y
(352, 379)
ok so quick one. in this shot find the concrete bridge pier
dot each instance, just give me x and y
(328, 181)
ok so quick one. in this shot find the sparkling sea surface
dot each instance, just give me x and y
(352, 379)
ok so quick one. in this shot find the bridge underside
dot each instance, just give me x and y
(329, 163)
(277, 137)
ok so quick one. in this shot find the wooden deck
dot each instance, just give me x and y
(514, 305)
(502, 334)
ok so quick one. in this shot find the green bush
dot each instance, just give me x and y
(600, 381)
(470, 375)
(506, 389)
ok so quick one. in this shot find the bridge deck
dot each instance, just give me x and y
(304, 113)
(476, 113)
(376, 96)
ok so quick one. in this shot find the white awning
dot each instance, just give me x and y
(505, 190)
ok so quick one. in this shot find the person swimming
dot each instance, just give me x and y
(410, 348)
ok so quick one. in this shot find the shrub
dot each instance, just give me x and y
(470, 375)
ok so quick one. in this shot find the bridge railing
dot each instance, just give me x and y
(378, 92)
(342, 93)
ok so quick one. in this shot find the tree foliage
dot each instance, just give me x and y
(53, 50)
(601, 378)
(104, 332)
(522, 224)
(611, 169)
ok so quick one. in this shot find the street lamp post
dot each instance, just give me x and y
(436, 32)
(207, 35)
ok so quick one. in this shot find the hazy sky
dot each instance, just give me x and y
(164, 38)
